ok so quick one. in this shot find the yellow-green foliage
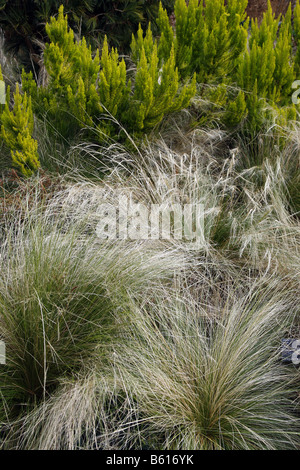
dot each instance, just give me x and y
(207, 40)
(16, 132)
(72, 71)
(266, 69)
(213, 41)
(236, 110)
(268, 60)
(221, 104)
(251, 73)
(86, 87)
(141, 43)
(156, 90)
(113, 87)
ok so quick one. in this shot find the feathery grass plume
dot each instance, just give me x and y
(59, 282)
(200, 388)
(87, 412)
(247, 220)
(163, 168)
(241, 205)
(64, 297)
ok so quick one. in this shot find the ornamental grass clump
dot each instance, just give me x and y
(202, 385)
(65, 299)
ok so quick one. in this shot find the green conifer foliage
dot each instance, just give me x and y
(284, 69)
(236, 110)
(258, 66)
(16, 132)
(72, 77)
(266, 69)
(207, 39)
(268, 60)
(186, 30)
(166, 40)
(238, 25)
(86, 87)
(72, 70)
(114, 88)
(141, 42)
(156, 91)
(213, 40)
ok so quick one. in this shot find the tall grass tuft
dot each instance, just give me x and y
(151, 344)
(202, 385)
(64, 298)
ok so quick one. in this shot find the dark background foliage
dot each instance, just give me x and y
(23, 22)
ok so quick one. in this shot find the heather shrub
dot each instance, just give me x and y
(16, 132)
(85, 86)
(207, 40)
(258, 67)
